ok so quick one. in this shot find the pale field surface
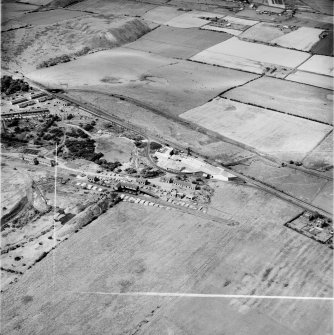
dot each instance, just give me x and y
(15, 186)
(177, 42)
(322, 155)
(288, 97)
(161, 14)
(301, 39)
(49, 17)
(114, 148)
(230, 31)
(319, 64)
(172, 86)
(294, 182)
(263, 32)
(191, 19)
(282, 136)
(167, 128)
(136, 248)
(25, 49)
(324, 199)
(258, 53)
(112, 7)
(313, 79)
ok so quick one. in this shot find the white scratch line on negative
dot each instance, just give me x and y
(202, 295)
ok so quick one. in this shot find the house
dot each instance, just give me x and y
(127, 187)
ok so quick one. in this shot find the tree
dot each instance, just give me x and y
(70, 116)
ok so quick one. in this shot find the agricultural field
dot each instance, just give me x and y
(251, 57)
(172, 86)
(299, 38)
(324, 198)
(165, 127)
(13, 10)
(313, 79)
(294, 182)
(119, 259)
(321, 156)
(161, 14)
(313, 103)
(192, 19)
(318, 64)
(324, 46)
(107, 7)
(282, 136)
(49, 17)
(177, 42)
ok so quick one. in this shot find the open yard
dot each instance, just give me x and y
(279, 135)
(172, 86)
(313, 103)
(133, 248)
(177, 42)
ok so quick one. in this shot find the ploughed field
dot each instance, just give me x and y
(133, 248)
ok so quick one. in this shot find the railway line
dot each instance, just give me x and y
(250, 180)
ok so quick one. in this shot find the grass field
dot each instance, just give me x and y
(324, 198)
(114, 149)
(248, 56)
(173, 86)
(313, 103)
(134, 248)
(49, 17)
(177, 42)
(119, 7)
(192, 19)
(322, 155)
(161, 14)
(262, 32)
(283, 136)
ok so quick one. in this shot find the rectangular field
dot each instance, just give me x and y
(162, 14)
(49, 17)
(249, 56)
(319, 64)
(192, 19)
(177, 42)
(292, 98)
(313, 79)
(169, 85)
(133, 248)
(277, 134)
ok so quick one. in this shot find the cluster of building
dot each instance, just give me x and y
(36, 112)
(35, 160)
(90, 187)
(180, 183)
